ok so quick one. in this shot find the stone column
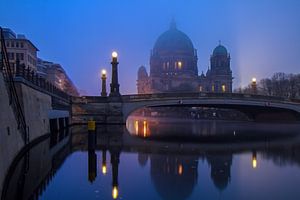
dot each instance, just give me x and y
(114, 86)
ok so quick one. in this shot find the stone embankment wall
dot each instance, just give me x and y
(11, 140)
(37, 108)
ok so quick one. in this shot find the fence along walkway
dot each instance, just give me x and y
(14, 101)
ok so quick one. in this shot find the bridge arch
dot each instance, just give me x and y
(251, 105)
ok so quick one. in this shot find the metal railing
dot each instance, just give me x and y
(14, 101)
(197, 95)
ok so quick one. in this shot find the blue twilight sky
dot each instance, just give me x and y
(262, 36)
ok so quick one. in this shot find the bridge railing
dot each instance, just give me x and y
(137, 97)
(33, 78)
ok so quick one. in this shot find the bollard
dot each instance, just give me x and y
(91, 125)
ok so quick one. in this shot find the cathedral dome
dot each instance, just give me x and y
(220, 50)
(173, 40)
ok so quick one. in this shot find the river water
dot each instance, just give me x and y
(161, 158)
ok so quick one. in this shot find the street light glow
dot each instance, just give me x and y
(103, 72)
(104, 169)
(115, 192)
(254, 80)
(114, 54)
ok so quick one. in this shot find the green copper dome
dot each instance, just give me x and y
(220, 50)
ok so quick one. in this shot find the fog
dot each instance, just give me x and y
(262, 36)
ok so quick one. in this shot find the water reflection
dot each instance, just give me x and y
(173, 176)
(220, 164)
(173, 168)
(141, 128)
(172, 129)
(92, 157)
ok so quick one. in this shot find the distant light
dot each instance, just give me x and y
(136, 125)
(254, 163)
(103, 72)
(145, 128)
(115, 192)
(180, 169)
(114, 54)
(104, 169)
(223, 88)
(253, 80)
(179, 64)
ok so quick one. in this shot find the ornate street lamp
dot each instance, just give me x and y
(114, 86)
(103, 77)
(254, 86)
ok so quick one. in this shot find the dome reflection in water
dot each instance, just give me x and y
(112, 164)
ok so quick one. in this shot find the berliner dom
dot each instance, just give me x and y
(173, 67)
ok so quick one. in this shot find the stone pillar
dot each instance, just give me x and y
(114, 86)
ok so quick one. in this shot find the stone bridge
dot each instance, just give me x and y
(110, 110)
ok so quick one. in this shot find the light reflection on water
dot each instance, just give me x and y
(112, 164)
(172, 129)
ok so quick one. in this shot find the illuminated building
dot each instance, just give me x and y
(55, 74)
(20, 48)
(173, 67)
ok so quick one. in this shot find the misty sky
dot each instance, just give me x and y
(262, 36)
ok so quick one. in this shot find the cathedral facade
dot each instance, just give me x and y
(173, 67)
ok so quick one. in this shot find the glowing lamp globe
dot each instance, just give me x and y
(114, 54)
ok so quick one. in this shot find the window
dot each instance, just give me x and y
(213, 88)
(200, 88)
(21, 56)
(22, 44)
(17, 44)
(12, 44)
(179, 64)
(7, 44)
(223, 88)
(11, 56)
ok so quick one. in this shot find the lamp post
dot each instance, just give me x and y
(254, 86)
(103, 77)
(114, 86)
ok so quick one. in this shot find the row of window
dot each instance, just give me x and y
(15, 44)
(215, 88)
(177, 65)
(20, 56)
(17, 56)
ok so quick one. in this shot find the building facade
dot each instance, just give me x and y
(21, 49)
(173, 67)
(55, 74)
